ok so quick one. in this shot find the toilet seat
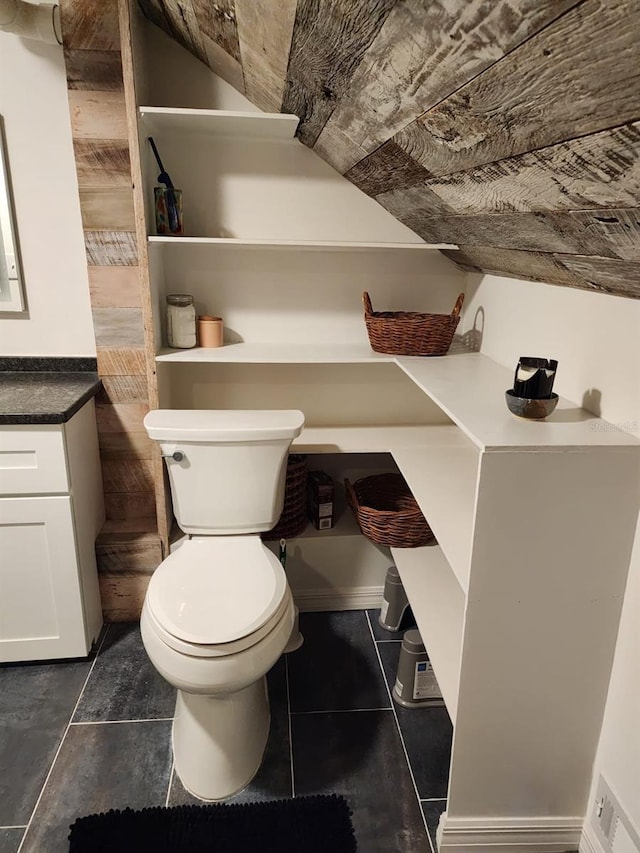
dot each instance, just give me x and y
(217, 595)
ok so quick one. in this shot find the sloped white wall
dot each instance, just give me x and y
(595, 339)
(33, 103)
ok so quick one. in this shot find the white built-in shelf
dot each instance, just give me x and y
(267, 126)
(344, 525)
(443, 480)
(470, 388)
(299, 245)
(272, 353)
(375, 439)
(438, 606)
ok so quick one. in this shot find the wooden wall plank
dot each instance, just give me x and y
(89, 25)
(122, 595)
(106, 248)
(581, 74)
(608, 232)
(388, 170)
(107, 209)
(329, 41)
(129, 19)
(120, 417)
(126, 445)
(114, 361)
(537, 266)
(114, 287)
(178, 19)
(265, 42)
(611, 233)
(422, 54)
(95, 70)
(123, 389)
(140, 553)
(97, 115)
(599, 170)
(102, 163)
(130, 505)
(121, 328)
(621, 278)
(223, 64)
(218, 21)
(127, 475)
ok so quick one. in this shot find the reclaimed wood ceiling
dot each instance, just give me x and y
(510, 127)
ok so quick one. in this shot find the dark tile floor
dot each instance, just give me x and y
(86, 736)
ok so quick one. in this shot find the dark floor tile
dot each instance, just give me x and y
(381, 633)
(124, 684)
(427, 734)
(101, 767)
(337, 667)
(10, 840)
(432, 809)
(359, 755)
(273, 779)
(36, 703)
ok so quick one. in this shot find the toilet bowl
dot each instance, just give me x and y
(218, 612)
(218, 662)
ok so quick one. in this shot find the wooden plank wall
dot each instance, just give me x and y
(131, 545)
(510, 127)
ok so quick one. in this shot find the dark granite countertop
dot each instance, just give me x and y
(45, 393)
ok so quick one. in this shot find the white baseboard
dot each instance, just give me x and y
(339, 598)
(509, 835)
(589, 843)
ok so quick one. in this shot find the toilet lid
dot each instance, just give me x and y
(217, 589)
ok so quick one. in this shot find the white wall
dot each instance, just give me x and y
(33, 102)
(595, 339)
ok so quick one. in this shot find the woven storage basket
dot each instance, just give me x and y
(410, 333)
(293, 519)
(387, 512)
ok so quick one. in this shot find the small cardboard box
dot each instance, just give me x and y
(320, 502)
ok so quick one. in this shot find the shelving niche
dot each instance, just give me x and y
(514, 602)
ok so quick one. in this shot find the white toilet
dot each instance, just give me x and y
(218, 611)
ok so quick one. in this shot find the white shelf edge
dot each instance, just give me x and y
(438, 606)
(373, 439)
(264, 243)
(275, 354)
(259, 125)
(469, 388)
(444, 482)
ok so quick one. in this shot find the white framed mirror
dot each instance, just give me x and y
(11, 279)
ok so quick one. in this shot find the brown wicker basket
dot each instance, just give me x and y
(293, 519)
(387, 512)
(410, 333)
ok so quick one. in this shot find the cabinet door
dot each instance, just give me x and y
(41, 613)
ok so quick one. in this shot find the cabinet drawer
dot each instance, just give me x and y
(32, 460)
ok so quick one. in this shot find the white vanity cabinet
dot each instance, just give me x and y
(51, 509)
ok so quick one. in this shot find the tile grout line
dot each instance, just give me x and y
(395, 717)
(338, 711)
(433, 800)
(62, 739)
(116, 722)
(286, 672)
(17, 826)
(173, 765)
(387, 641)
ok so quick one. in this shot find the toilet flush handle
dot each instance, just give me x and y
(177, 456)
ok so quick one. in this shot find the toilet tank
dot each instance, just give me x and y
(229, 470)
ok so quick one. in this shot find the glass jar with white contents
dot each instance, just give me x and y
(181, 321)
